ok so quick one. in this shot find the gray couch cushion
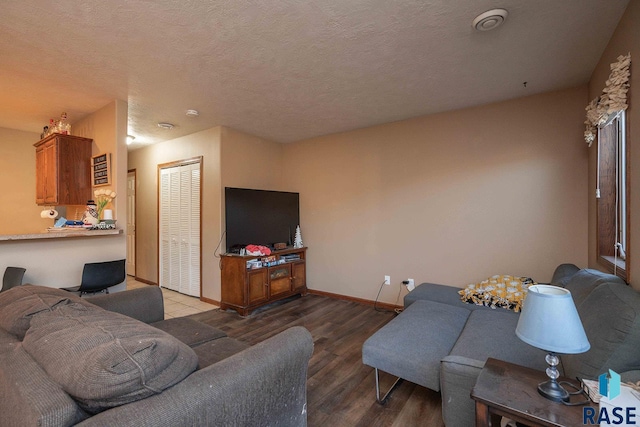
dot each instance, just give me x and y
(412, 344)
(458, 375)
(29, 397)
(611, 319)
(439, 293)
(18, 305)
(211, 352)
(264, 385)
(582, 283)
(106, 359)
(8, 341)
(493, 334)
(486, 334)
(189, 331)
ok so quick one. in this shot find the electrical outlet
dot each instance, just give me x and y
(387, 280)
(411, 285)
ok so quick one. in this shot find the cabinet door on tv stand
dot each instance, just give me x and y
(279, 280)
(257, 286)
(299, 276)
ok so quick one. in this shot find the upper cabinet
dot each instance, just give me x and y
(63, 170)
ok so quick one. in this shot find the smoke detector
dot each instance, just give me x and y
(490, 19)
(193, 113)
(165, 125)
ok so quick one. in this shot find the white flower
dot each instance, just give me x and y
(103, 198)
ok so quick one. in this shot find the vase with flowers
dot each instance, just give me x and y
(103, 197)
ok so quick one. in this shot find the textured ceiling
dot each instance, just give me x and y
(286, 70)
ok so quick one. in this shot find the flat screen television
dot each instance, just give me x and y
(260, 217)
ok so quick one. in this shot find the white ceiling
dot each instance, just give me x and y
(286, 70)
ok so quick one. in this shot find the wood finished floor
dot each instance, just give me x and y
(340, 389)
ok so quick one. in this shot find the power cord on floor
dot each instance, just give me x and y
(375, 303)
(381, 310)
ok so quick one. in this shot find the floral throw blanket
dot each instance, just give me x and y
(498, 291)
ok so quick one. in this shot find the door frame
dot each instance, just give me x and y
(135, 220)
(177, 163)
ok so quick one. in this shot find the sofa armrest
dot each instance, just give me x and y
(563, 273)
(434, 292)
(262, 385)
(631, 376)
(145, 304)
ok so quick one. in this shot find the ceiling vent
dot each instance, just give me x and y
(490, 19)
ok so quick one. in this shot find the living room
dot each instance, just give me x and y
(451, 197)
(516, 173)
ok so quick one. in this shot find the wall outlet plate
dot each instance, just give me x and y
(387, 280)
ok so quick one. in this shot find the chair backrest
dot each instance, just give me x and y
(12, 277)
(97, 276)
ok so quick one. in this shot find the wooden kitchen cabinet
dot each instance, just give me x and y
(63, 170)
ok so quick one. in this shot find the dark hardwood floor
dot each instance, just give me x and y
(340, 389)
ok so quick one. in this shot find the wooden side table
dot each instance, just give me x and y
(505, 389)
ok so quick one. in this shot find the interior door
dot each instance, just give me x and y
(179, 228)
(131, 223)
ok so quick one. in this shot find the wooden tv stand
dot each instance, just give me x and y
(245, 289)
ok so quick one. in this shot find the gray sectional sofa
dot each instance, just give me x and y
(113, 360)
(442, 343)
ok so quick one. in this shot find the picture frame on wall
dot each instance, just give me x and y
(101, 169)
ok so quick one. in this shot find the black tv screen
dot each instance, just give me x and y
(260, 217)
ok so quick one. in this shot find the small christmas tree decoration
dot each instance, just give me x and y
(297, 243)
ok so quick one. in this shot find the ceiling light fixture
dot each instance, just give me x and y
(193, 113)
(130, 139)
(490, 19)
(165, 125)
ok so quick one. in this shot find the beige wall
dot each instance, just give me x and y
(250, 162)
(59, 262)
(145, 161)
(108, 129)
(19, 212)
(450, 198)
(230, 158)
(625, 39)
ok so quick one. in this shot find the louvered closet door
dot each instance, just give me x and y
(180, 228)
(194, 233)
(164, 228)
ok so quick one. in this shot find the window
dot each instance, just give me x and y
(612, 207)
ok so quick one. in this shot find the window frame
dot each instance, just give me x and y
(612, 197)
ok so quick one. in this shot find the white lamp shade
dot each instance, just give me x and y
(550, 321)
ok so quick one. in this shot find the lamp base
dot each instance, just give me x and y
(552, 390)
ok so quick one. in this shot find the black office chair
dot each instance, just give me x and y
(98, 277)
(12, 277)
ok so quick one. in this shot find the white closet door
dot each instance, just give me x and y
(164, 229)
(174, 229)
(194, 233)
(180, 228)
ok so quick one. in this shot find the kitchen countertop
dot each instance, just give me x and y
(71, 233)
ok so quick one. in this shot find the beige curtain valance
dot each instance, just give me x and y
(612, 100)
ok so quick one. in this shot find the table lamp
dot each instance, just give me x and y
(550, 321)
